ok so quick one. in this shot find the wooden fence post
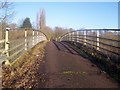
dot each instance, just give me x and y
(64, 38)
(98, 40)
(37, 36)
(7, 41)
(7, 45)
(33, 38)
(73, 34)
(85, 34)
(77, 36)
(25, 39)
(69, 37)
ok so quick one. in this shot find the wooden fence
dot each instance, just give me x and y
(105, 40)
(16, 42)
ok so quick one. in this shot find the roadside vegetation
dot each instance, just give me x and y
(23, 72)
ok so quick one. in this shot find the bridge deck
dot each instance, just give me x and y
(64, 69)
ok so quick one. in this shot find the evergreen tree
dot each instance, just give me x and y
(26, 23)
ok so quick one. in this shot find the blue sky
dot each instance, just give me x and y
(71, 14)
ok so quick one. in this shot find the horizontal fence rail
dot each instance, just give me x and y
(105, 40)
(16, 42)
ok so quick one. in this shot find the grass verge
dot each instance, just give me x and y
(23, 72)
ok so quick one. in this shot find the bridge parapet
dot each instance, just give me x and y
(16, 42)
(106, 41)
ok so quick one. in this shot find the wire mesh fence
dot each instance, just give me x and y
(16, 42)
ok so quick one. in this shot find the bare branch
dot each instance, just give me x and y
(5, 10)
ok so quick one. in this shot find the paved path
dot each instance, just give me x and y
(66, 70)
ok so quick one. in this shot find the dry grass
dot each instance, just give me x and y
(23, 71)
(1, 35)
(113, 36)
(107, 35)
(16, 34)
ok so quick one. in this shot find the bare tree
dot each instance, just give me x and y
(41, 24)
(59, 31)
(6, 11)
(37, 21)
(42, 21)
(49, 32)
(13, 26)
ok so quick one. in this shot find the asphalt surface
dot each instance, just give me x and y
(63, 69)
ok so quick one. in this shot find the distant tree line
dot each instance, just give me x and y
(54, 33)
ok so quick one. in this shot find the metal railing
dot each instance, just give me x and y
(105, 40)
(16, 42)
